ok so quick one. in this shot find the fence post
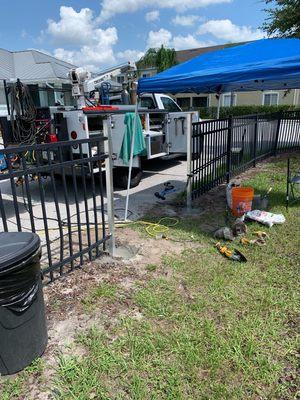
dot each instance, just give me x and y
(255, 140)
(229, 145)
(109, 186)
(189, 162)
(275, 148)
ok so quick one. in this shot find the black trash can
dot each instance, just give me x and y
(23, 332)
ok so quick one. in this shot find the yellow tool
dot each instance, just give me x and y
(261, 234)
(246, 242)
(234, 255)
(224, 250)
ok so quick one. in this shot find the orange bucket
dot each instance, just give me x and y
(242, 198)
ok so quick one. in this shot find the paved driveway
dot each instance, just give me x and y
(142, 198)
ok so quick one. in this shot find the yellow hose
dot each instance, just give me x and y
(153, 229)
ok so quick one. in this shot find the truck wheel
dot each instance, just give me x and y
(121, 177)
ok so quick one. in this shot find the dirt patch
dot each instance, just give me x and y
(66, 316)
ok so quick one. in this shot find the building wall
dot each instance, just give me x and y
(289, 97)
(146, 72)
(256, 98)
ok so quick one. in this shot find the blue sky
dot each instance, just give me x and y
(98, 34)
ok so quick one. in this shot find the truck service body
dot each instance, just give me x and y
(165, 126)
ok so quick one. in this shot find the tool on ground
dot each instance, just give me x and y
(224, 233)
(169, 188)
(234, 255)
(260, 241)
(261, 234)
(247, 242)
(239, 228)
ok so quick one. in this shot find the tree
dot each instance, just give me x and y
(284, 18)
(148, 60)
(166, 58)
(161, 59)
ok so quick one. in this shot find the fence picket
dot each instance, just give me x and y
(251, 137)
(52, 206)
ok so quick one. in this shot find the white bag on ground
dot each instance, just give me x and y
(265, 218)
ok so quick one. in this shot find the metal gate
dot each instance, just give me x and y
(49, 190)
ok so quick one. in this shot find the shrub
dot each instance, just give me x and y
(225, 112)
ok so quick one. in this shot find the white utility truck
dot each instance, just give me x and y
(164, 124)
(100, 110)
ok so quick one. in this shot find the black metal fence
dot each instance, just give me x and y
(222, 148)
(58, 193)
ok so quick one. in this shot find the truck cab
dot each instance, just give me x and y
(159, 101)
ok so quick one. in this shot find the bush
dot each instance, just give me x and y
(225, 112)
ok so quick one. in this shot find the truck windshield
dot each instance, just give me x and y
(147, 102)
(169, 104)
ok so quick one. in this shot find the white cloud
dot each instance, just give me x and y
(188, 42)
(93, 46)
(224, 29)
(73, 27)
(130, 55)
(185, 20)
(152, 16)
(113, 7)
(91, 57)
(159, 38)
(179, 42)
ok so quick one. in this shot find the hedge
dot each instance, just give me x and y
(225, 112)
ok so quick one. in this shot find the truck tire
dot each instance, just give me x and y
(121, 177)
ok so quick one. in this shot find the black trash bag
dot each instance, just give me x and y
(19, 283)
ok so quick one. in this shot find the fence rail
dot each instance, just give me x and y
(222, 148)
(58, 193)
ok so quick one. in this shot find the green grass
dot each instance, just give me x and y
(213, 330)
(151, 267)
(11, 389)
(210, 329)
(103, 291)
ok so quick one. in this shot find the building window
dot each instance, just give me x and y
(201, 101)
(227, 99)
(270, 99)
(184, 102)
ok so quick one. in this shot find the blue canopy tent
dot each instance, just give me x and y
(263, 64)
